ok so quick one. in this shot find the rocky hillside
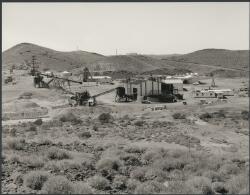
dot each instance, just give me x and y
(238, 59)
(221, 62)
(21, 54)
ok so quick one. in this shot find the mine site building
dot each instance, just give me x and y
(213, 93)
(188, 79)
(101, 79)
(154, 88)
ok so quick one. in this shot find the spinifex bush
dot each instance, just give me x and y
(58, 185)
(82, 188)
(139, 174)
(119, 182)
(99, 182)
(131, 160)
(38, 122)
(35, 179)
(238, 183)
(151, 187)
(200, 185)
(179, 115)
(105, 118)
(108, 166)
(33, 161)
(57, 154)
(15, 144)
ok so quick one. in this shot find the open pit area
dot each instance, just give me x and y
(126, 148)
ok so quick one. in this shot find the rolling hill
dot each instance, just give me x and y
(21, 54)
(220, 62)
(238, 59)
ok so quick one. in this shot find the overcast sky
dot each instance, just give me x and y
(149, 28)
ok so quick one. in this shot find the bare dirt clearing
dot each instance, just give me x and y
(127, 149)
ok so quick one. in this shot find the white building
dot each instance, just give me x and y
(213, 93)
(188, 78)
(101, 79)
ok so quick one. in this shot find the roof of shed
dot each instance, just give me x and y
(172, 81)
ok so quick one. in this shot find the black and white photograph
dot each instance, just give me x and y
(125, 98)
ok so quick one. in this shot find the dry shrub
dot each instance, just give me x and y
(213, 163)
(178, 187)
(132, 185)
(200, 185)
(112, 151)
(52, 123)
(238, 183)
(105, 118)
(38, 122)
(245, 115)
(15, 143)
(17, 178)
(219, 187)
(151, 187)
(108, 166)
(12, 132)
(169, 164)
(57, 154)
(119, 182)
(54, 166)
(134, 149)
(179, 115)
(130, 160)
(228, 169)
(68, 116)
(99, 182)
(177, 175)
(187, 141)
(139, 123)
(153, 154)
(155, 174)
(205, 116)
(33, 161)
(58, 185)
(177, 153)
(85, 134)
(45, 142)
(68, 164)
(214, 176)
(14, 158)
(82, 188)
(139, 174)
(31, 128)
(219, 114)
(95, 128)
(35, 179)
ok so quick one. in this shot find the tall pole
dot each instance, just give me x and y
(33, 63)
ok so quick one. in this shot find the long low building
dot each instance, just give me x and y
(101, 79)
(213, 93)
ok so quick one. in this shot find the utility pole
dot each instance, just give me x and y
(33, 65)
